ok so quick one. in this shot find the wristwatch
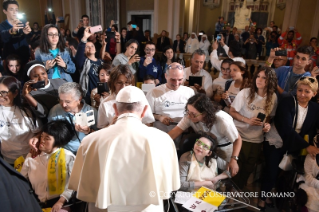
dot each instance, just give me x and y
(235, 157)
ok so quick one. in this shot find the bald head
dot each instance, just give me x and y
(174, 76)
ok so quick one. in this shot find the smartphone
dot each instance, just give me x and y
(61, 19)
(133, 26)
(102, 87)
(85, 118)
(281, 52)
(261, 116)
(81, 21)
(109, 35)
(39, 84)
(219, 37)
(22, 18)
(95, 29)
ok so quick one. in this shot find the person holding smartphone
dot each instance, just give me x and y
(53, 54)
(79, 30)
(251, 110)
(148, 64)
(88, 65)
(40, 92)
(14, 33)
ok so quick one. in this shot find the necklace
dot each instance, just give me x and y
(8, 123)
(200, 163)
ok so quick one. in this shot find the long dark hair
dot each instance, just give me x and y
(205, 106)
(44, 41)
(164, 58)
(7, 72)
(14, 86)
(212, 147)
(271, 86)
(246, 76)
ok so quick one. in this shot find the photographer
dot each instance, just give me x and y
(251, 47)
(79, 30)
(14, 32)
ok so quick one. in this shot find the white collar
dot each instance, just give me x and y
(126, 115)
(47, 86)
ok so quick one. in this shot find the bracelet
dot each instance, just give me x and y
(268, 63)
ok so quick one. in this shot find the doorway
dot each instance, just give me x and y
(143, 19)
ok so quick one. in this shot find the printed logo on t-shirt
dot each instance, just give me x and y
(2, 123)
(254, 107)
(168, 103)
(154, 69)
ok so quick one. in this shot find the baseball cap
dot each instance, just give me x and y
(130, 94)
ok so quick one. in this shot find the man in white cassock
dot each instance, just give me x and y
(127, 166)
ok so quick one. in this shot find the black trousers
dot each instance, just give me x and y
(273, 156)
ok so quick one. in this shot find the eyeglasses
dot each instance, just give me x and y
(312, 80)
(4, 93)
(200, 143)
(226, 69)
(123, 83)
(192, 114)
(53, 35)
(150, 50)
(179, 67)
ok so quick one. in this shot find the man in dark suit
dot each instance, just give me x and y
(228, 36)
(15, 191)
(162, 41)
(179, 44)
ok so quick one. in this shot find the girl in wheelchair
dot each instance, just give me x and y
(50, 170)
(199, 167)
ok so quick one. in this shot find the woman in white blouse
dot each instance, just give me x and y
(50, 170)
(17, 124)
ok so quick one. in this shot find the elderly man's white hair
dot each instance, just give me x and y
(71, 87)
(130, 107)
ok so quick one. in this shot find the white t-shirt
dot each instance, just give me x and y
(220, 81)
(233, 91)
(207, 79)
(106, 112)
(224, 129)
(36, 170)
(164, 101)
(302, 113)
(16, 128)
(253, 134)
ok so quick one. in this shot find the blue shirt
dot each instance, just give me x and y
(57, 113)
(153, 69)
(56, 73)
(287, 80)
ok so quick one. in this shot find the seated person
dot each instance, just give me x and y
(12, 68)
(225, 69)
(149, 79)
(120, 77)
(49, 172)
(17, 123)
(199, 167)
(71, 103)
(148, 64)
(43, 99)
(104, 72)
(311, 185)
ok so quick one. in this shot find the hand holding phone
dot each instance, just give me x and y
(95, 29)
(39, 84)
(261, 116)
(282, 52)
